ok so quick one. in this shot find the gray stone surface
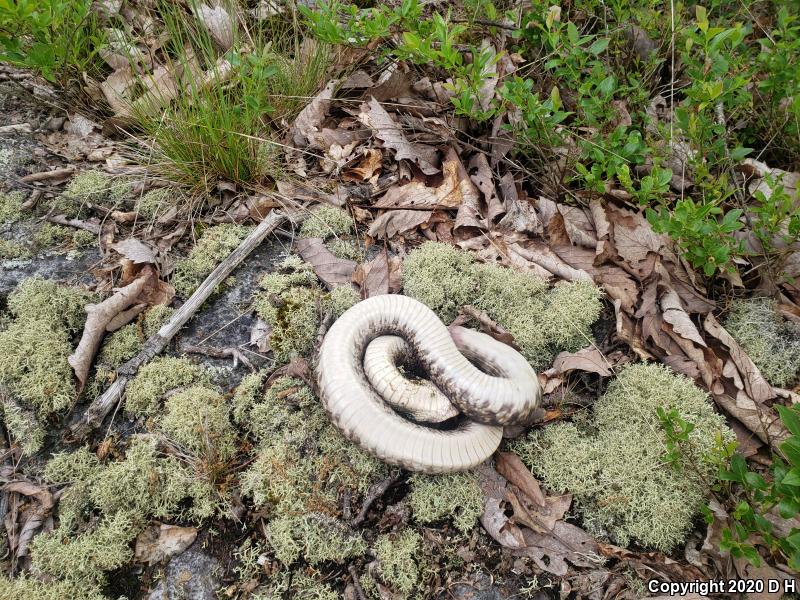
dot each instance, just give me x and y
(192, 575)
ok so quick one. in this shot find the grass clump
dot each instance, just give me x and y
(454, 496)
(162, 374)
(316, 537)
(543, 321)
(614, 461)
(11, 206)
(214, 245)
(398, 557)
(327, 222)
(37, 342)
(772, 342)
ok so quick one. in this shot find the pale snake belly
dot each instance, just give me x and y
(503, 391)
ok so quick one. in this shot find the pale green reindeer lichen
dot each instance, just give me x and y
(452, 496)
(162, 374)
(214, 245)
(614, 461)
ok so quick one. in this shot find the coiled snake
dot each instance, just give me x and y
(359, 378)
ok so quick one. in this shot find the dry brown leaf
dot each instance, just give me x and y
(218, 23)
(391, 134)
(552, 551)
(481, 175)
(376, 281)
(292, 190)
(520, 214)
(35, 516)
(160, 541)
(510, 466)
(367, 168)
(494, 519)
(578, 225)
(331, 269)
(674, 314)
(310, 118)
(635, 240)
(541, 255)
(100, 315)
(136, 251)
(590, 360)
(393, 222)
(418, 195)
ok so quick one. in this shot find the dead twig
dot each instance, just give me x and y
(374, 492)
(76, 223)
(356, 583)
(234, 353)
(100, 407)
(47, 175)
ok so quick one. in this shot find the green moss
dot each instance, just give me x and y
(11, 206)
(543, 321)
(772, 342)
(162, 374)
(154, 318)
(340, 299)
(613, 463)
(86, 557)
(197, 420)
(83, 239)
(12, 250)
(440, 276)
(455, 496)
(316, 537)
(23, 426)
(325, 222)
(399, 556)
(214, 245)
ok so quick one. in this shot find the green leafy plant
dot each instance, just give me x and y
(55, 37)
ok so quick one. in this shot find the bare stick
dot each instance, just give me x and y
(77, 223)
(375, 491)
(100, 407)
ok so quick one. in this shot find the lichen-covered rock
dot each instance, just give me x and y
(191, 574)
(772, 342)
(613, 462)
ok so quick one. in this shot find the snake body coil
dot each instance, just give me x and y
(357, 377)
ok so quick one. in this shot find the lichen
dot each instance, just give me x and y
(162, 374)
(314, 536)
(601, 459)
(340, 299)
(346, 249)
(246, 395)
(196, 419)
(125, 343)
(37, 299)
(155, 202)
(399, 556)
(85, 558)
(30, 588)
(93, 187)
(23, 426)
(440, 276)
(543, 321)
(215, 244)
(772, 342)
(454, 496)
(290, 305)
(51, 235)
(325, 222)
(11, 206)
(12, 250)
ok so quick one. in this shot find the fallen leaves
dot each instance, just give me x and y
(331, 269)
(159, 542)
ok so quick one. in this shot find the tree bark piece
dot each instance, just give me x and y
(100, 407)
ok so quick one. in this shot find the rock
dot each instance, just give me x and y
(192, 574)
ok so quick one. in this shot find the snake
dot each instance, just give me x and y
(473, 381)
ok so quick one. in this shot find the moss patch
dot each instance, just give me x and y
(214, 245)
(11, 206)
(95, 187)
(614, 461)
(770, 340)
(316, 537)
(398, 557)
(326, 222)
